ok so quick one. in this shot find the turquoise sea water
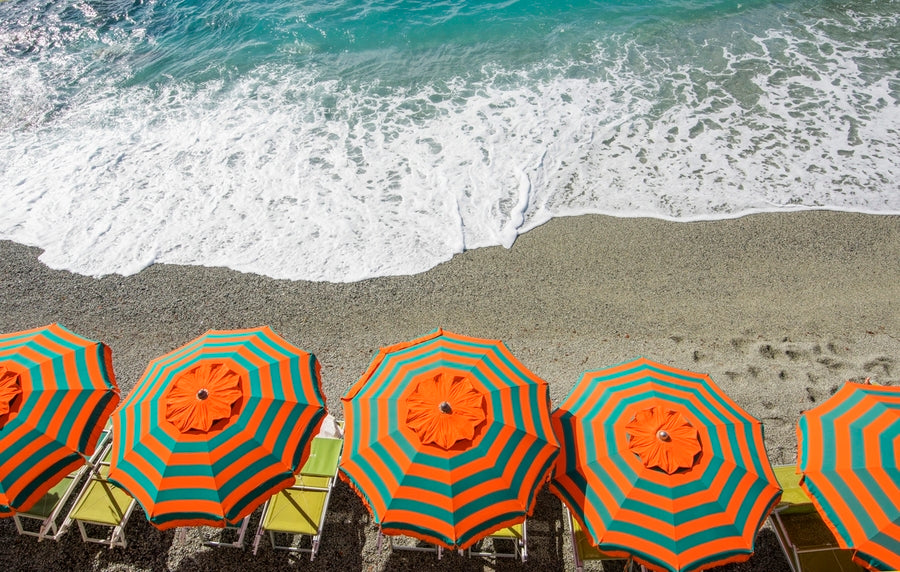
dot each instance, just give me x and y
(343, 140)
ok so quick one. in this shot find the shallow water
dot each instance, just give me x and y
(344, 140)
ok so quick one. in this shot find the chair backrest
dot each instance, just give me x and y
(300, 509)
(793, 498)
(101, 502)
(324, 454)
(320, 469)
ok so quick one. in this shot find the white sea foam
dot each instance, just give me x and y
(290, 176)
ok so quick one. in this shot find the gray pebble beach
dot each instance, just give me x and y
(779, 309)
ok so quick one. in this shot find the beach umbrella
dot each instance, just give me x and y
(849, 456)
(660, 464)
(57, 389)
(217, 426)
(447, 439)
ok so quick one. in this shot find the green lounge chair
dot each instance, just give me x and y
(50, 508)
(804, 537)
(300, 510)
(516, 535)
(102, 505)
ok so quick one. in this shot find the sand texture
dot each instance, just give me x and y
(778, 308)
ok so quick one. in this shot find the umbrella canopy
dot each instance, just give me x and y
(57, 389)
(660, 464)
(448, 438)
(849, 455)
(216, 427)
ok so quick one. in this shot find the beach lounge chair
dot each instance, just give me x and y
(409, 544)
(238, 531)
(804, 537)
(49, 511)
(516, 536)
(300, 510)
(584, 549)
(102, 505)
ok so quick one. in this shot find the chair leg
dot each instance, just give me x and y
(259, 529)
(524, 542)
(579, 565)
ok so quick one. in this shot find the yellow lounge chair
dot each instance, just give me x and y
(101, 504)
(584, 549)
(300, 510)
(804, 537)
(517, 535)
(50, 507)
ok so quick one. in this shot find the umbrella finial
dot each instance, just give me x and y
(445, 409)
(664, 439)
(203, 395)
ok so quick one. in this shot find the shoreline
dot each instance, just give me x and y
(778, 308)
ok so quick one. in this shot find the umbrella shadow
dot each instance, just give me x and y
(147, 549)
(767, 556)
(546, 545)
(341, 547)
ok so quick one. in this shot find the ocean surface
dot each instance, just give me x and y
(345, 139)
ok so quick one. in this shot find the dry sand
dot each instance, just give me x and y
(778, 308)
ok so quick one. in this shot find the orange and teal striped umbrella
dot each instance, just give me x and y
(448, 438)
(57, 389)
(216, 427)
(849, 456)
(660, 464)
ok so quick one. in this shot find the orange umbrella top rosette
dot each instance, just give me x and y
(57, 389)
(849, 456)
(217, 426)
(448, 438)
(660, 464)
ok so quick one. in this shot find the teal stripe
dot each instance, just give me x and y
(50, 348)
(588, 405)
(833, 474)
(258, 347)
(141, 478)
(407, 527)
(889, 542)
(308, 435)
(390, 379)
(15, 473)
(183, 515)
(358, 489)
(252, 496)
